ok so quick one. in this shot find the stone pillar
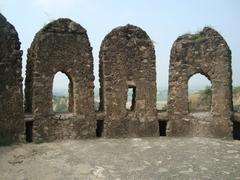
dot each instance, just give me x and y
(127, 60)
(11, 97)
(206, 53)
(61, 45)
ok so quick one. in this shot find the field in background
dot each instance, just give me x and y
(199, 100)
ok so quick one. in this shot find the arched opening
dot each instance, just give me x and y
(199, 94)
(62, 92)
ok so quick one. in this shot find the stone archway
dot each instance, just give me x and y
(61, 45)
(206, 53)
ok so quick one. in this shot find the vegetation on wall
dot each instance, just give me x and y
(194, 37)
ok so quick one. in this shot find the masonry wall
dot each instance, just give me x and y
(11, 97)
(127, 60)
(206, 53)
(62, 45)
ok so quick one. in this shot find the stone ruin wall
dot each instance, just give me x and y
(127, 60)
(11, 97)
(62, 45)
(206, 53)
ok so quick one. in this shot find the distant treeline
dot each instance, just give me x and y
(199, 100)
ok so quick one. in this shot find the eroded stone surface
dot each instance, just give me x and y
(127, 60)
(11, 97)
(206, 53)
(133, 158)
(61, 45)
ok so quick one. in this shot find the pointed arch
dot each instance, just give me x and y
(62, 92)
(199, 96)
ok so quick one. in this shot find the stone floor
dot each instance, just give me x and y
(133, 159)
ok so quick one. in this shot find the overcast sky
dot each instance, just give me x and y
(164, 21)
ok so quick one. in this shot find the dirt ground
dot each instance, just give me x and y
(122, 159)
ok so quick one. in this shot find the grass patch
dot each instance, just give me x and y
(194, 37)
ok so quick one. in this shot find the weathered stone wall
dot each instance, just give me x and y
(206, 53)
(61, 45)
(127, 59)
(11, 102)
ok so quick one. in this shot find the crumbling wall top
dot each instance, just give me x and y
(207, 33)
(63, 25)
(127, 36)
(8, 30)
